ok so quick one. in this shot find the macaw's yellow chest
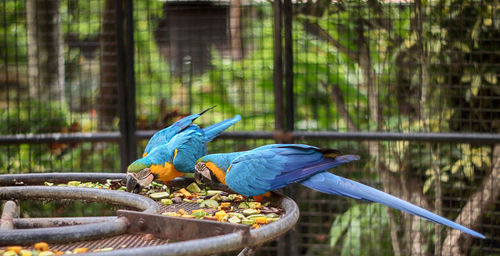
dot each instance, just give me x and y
(166, 172)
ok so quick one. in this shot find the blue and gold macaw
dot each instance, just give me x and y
(271, 167)
(173, 151)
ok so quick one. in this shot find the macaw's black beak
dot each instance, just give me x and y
(202, 175)
(133, 184)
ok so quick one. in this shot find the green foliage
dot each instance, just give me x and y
(359, 230)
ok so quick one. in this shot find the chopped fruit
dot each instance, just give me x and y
(171, 214)
(225, 205)
(234, 220)
(187, 216)
(15, 249)
(255, 226)
(81, 250)
(209, 203)
(185, 192)
(42, 246)
(159, 195)
(247, 222)
(182, 212)
(220, 215)
(167, 201)
(108, 249)
(25, 253)
(247, 212)
(260, 220)
(193, 188)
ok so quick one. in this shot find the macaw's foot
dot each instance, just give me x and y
(261, 197)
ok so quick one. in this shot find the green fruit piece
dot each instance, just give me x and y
(193, 188)
(234, 220)
(235, 214)
(248, 222)
(74, 183)
(10, 253)
(199, 215)
(48, 183)
(213, 192)
(256, 216)
(167, 201)
(45, 253)
(209, 203)
(254, 205)
(187, 200)
(159, 195)
(244, 205)
(272, 215)
(248, 212)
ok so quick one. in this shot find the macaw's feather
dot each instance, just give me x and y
(214, 130)
(331, 184)
(165, 135)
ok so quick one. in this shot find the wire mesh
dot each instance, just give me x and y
(358, 66)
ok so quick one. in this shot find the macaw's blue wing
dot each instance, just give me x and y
(165, 135)
(214, 130)
(331, 184)
(261, 170)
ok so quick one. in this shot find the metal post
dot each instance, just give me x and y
(278, 69)
(126, 81)
(289, 108)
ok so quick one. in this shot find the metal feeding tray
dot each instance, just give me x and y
(143, 232)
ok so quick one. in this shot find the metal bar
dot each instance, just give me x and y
(64, 234)
(59, 137)
(126, 89)
(278, 68)
(475, 138)
(25, 223)
(10, 211)
(40, 178)
(76, 193)
(290, 100)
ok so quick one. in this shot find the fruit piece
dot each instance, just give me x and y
(239, 215)
(256, 216)
(103, 249)
(159, 195)
(74, 183)
(42, 246)
(220, 215)
(255, 205)
(255, 226)
(46, 183)
(187, 200)
(189, 216)
(199, 214)
(272, 215)
(244, 205)
(25, 253)
(166, 201)
(247, 222)
(81, 250)
(247, 212)
(15, 249)
(185, 192)
(234, 220)
(148, 237)
(208, 217)
(260, 220)
(225, 205)
(209, 203)
(213, 192)
(182, 212)
(193, 188)
(171, 214)
(46, 253)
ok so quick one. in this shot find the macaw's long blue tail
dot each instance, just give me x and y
(188, 120)
(331, 184)
(214, 130)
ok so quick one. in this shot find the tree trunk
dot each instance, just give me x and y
(235, 28)
(45, 50)
(107, 101)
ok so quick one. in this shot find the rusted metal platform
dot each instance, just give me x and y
(142, 232)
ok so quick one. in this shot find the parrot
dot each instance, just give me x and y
(173, 151)
(270, 167)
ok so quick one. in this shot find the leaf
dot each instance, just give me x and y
(469, 171)
(427, 184)
(456, 166)
(490, 78)
(475, 84)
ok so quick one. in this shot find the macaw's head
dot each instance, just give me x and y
(138, 175)
(213, 168)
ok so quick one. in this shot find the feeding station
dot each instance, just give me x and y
(125, 231)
